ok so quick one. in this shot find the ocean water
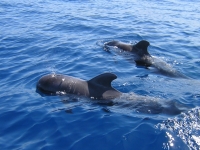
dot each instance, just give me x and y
(39, 37)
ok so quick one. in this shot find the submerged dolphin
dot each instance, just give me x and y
(98, 87)
(143, 58)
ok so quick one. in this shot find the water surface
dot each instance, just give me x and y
(61, 36)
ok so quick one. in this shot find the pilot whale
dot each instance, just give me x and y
(98, 87)
(143, 58)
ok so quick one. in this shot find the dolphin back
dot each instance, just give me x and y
(104, 79)
(100, 87)
(141, 48)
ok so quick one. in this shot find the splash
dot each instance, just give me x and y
(186, 126)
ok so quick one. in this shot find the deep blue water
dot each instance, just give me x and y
(39, 37)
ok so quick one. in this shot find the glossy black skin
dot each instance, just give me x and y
(97, 88)
(143, 58)
(140, 49)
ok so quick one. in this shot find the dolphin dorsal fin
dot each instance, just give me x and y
(143, 45)
(104, 79)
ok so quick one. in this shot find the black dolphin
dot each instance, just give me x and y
(143, 58)
(98, 87)
(140, 49)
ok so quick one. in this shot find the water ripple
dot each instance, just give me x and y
(66, 37)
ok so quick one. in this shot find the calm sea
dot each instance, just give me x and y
(39, 37)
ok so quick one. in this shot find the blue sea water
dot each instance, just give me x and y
(39, 37)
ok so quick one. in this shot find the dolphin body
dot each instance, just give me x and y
(98, 87)
(143, 58)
